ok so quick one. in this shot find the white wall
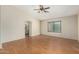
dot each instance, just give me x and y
(0, 28)
(13, 24)
(78, 27)
(69, 27)
(35, 27)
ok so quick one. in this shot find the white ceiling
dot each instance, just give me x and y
(54, 11)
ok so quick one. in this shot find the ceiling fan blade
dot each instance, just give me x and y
(46, 11)
(47, 8)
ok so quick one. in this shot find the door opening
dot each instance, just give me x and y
(27, 29)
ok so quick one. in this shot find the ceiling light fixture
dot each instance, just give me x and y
(42, 9)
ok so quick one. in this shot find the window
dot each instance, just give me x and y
(54, 26)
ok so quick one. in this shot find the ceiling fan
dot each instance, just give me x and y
(42, 9)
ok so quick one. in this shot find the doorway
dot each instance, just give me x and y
(27, 29)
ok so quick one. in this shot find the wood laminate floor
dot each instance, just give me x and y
(41, 44)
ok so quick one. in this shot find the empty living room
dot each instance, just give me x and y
(39, 29)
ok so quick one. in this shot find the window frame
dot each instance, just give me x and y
(48, 29)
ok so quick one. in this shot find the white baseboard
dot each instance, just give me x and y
(35, 34)
(13, 39)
